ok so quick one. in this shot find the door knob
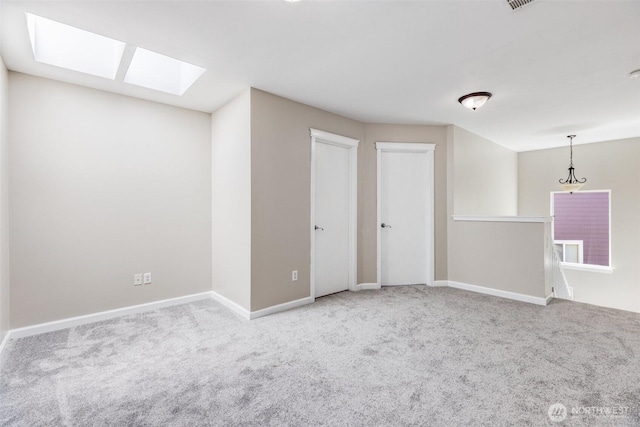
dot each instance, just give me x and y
(319, 228)
(383, 225)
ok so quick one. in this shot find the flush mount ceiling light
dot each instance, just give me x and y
(69, 47)
(474, 100)
(159, 72)
(517, 3)
(634, 74)
(572, 183)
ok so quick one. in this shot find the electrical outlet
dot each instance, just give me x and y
(147, 278)
(294, 275)
(137, 279)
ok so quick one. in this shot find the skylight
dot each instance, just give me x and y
(159, 72)
(68, 47)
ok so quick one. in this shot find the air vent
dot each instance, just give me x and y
(517, 3)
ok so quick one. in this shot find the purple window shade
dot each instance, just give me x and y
(584, 216)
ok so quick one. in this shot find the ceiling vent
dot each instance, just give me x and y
(517, 3)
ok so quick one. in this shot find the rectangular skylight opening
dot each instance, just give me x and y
(159, 72)
(68, 47)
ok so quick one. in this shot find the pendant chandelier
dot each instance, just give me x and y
(572, 183)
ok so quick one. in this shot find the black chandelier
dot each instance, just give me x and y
(572, 183)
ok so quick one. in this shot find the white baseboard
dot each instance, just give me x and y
(498, 293)
(134, 309)
(281, 307)
(440, 283)
(244, 313)
(233, 306)
(365, 286)
(249, 315)
(548, 299)
(103, 315)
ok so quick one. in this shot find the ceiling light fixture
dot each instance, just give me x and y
(517, 3)
(634, 74)
(69, 47)
(572, 183)
(159, 72)
(474, 100)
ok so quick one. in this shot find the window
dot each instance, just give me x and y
(582, 227)
(72, 48)
(159, 72)
(570, 250)
(68, 47)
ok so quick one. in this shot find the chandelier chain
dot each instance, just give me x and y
(571, 178)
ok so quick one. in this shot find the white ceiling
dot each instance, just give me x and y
(554, 66)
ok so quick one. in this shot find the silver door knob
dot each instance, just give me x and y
(319, 228)
(383, 225)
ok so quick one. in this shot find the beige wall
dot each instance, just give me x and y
(107, 186)
(508, 256)
(610, 165)
(281, 193)
(4, 202)
(103, 186)
(367, 192)
(485, 176)
(231, 167)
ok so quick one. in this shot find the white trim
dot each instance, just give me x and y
(367, 286)
(409, 147)
(318, 136)
(104, 315)
(499, 293)
(5, 341)
(312, 249)
(378, 216)
(249, 315)
(440, 283)
(281, 307)
(501, 218)
(231, 305)
(549, 298)
(564, 243)
(587, 267)
(333, 139)
(414, 147)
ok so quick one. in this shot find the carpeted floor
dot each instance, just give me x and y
(394, 357)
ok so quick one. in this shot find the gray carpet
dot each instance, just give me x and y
(398, 356)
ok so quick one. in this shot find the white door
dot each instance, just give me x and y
(405, 214)
(333, 214)
(332, 219)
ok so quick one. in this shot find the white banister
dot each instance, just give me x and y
(555, 274)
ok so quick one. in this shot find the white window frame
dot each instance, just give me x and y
(583, 267)
(579, 243)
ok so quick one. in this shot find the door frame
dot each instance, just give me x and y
(322, 137)
(408, 147)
